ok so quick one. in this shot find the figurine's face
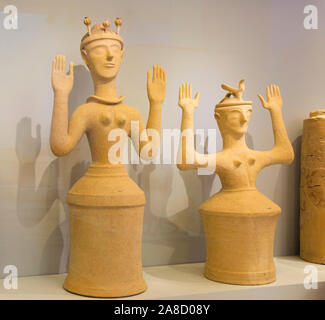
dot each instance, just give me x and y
(233, 120)
(103, 58)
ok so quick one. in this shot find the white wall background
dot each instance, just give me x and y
(205, 42)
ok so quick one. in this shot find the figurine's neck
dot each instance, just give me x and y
(234, 142)
(106, 90)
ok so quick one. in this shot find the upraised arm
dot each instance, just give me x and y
(65, 134)
(147, 142)
(282, 151)
(188, 158)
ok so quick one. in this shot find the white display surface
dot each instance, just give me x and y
(186, 281)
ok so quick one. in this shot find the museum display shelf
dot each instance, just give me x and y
(186, 281)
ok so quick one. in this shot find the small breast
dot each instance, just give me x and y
(237, 163)
(121, 121)
(105, 119)
(251, 161)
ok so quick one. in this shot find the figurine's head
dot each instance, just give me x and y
(233, 119)
(232, 113)
(102, 50)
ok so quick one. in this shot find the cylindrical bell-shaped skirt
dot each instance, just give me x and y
(239, 240)
(105, 221)
(312, 189)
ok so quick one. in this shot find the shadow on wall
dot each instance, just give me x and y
(34, 202)
(249, 141)
(169, 239)
(287, 193)
(176, 238)
(159, 232)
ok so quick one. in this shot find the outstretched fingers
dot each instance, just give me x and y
(155, 73)
(262, 100)
(273, 91)
(149, 74)
(189, 90)
(59, 63)
(62, 63)
(55, 64)
(185, 91)
(159, 73)
(268, 92)
(164, 75)
(180, 92)
(278, 91)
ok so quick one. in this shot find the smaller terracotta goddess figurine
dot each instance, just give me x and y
(239, 221)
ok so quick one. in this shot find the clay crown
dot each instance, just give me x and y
(101, 31)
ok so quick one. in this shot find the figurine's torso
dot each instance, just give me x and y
(106, 125)
(106, 183)
(238, 169)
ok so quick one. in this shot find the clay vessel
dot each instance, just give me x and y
(105, 205)
(239, 221)
(312, 189)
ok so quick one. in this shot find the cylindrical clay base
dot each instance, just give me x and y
(105, 218)
(239, 248)
(105, 258)
(312, 189)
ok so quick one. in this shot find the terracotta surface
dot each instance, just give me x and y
(312, 189)
(239, 221)
(106, 206)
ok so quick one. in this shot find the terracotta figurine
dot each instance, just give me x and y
(105, 205)
(239, 221)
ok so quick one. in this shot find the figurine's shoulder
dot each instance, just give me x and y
(131, 111)
(86, 113)
(83, 109)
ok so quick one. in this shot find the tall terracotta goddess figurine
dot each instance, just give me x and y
(105, 205)
(239, 221)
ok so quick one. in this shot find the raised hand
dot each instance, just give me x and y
(274, 100)
(61, 82)
(157, 86)
(185, 100)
